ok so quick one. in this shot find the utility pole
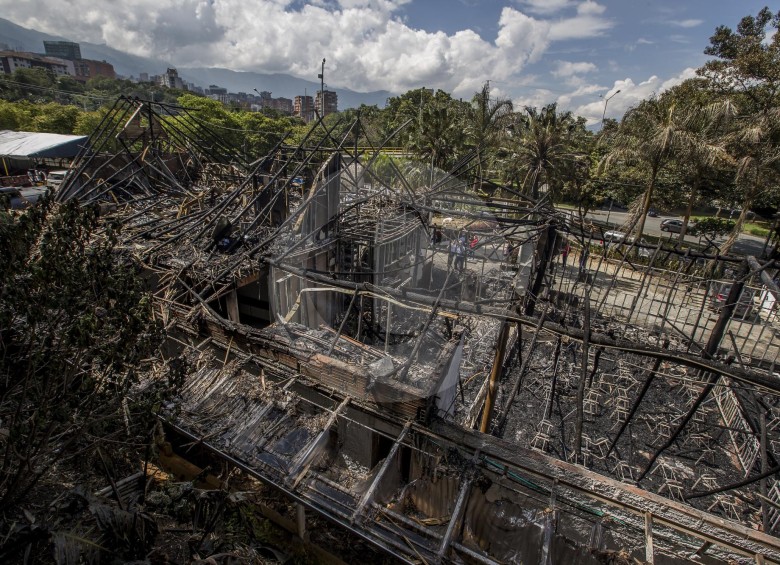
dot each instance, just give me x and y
(321, 76)
(606, 100)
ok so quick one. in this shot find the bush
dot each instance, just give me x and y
(712, 227)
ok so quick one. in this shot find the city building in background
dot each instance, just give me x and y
(171, 79)
(62, 49)
(12, 60)
(331, 102)
(303, 107)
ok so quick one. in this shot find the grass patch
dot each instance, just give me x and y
(757, 228)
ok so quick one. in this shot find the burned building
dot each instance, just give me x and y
(419, 366)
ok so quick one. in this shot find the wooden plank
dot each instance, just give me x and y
(649, 553)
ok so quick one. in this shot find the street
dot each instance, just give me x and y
(745, 245)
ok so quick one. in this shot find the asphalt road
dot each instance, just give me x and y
(746, 244)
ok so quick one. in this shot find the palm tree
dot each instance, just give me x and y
(540, 147)
(485, 126)
(646, 136)
(700, 146)
(436, 136)
(758, 157)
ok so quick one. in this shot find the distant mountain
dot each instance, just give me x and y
(278, 84)
(23, 39)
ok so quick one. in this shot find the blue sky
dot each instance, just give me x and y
(533, 51)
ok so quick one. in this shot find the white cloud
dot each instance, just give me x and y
(590, 8)
(538, 98)
(564, 100)
(545, 7)
(580, 26)
(643, 41)
(630, 94)
(367, 43)
(566, 68)
(686, 23)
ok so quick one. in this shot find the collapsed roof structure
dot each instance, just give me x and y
(502, 405)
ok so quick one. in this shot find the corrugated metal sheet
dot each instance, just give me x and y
(32, 144)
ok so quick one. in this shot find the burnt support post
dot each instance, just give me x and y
(300, 520)
(543, 253)
(523, 367)
(583, 380)
(495, 373)
(369, 494)
(764, 469)
(231, 301)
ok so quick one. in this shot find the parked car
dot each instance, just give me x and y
(672, 226)
(719, 293)
(19, 198)
(652, 212)
(54, 178)
(614, 236)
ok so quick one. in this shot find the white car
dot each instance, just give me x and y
(616, 237)
(54, 178)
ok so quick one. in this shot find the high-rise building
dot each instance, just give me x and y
(331, 102)
(62, 49)
(214, 90)
(171, 79)
(303, 107)
(282, 104)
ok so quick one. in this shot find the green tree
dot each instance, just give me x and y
(262, 132)
(485, 127)
(647, 137)
(540, 148)
(746, 68)
(13, 116)
(214, 115)
(56, 118)
(702, 123)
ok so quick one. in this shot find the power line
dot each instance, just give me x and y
(52, 89)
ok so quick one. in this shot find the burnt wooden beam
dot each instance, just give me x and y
(649, 553)
(308, 455)
(523, 369)
(455, 519)
(495, 372)
(369, 494)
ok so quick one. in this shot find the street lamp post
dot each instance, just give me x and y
(606, 100)
(321, 76)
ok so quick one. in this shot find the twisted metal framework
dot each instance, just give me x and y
(335, 272)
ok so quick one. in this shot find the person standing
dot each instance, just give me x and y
(584, 258)
(453, 249)
(460, 256)
(565, 250)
